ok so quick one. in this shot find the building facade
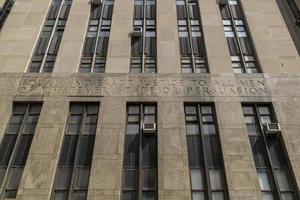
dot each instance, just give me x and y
(149, 99)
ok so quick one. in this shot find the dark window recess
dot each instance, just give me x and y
(206, 163)
(272, 165)
(140, 154)
(143, 37)
(72, 178)
(5, 10)
(290, 10)
(191, 41)
(243, 57)
(47, 47)
(97, 38)
(16, 144)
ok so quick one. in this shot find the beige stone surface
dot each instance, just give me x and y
(169, 89)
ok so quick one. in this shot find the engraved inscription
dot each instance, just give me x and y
(145, 86)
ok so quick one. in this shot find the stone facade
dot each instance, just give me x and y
(279, 84)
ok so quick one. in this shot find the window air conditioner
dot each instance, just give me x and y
(97, 2)
(222, 2)
(137, 32)
(272, 129)
(149, 127)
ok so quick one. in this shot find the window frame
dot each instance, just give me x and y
(270, 168)
(205, 168)
(199, 64)
(44, 62)
(141, 167)
(74, 168)
(97, 60)
(243, 61)
(12, 165)
(147, 57)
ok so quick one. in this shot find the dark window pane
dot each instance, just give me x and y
(129, 195)
(19, 108)
(149, 179)
(81, 178)
(253, 129)
(276, 153)
(194, 151)
(149, 195)
(259, 151)
(10, 194)
(76, 108)
(149, 148)
(131, 151)
(149, 110)
(13, 128)
(68, 150)
(14, 178)
(23, 150)
(79, 195)
(60, 195)
(85, 152)
(217, 196)
(73, 129)
(92, 109)
(7, 146)
(130, 179)
(63, 178)
(212, 152)
(283, 179)
(89, 46)
(90, 129)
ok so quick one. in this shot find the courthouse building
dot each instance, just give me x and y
(150, 99)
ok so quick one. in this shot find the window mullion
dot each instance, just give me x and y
(140, 180)
(144, 36)
(205, 168)
(51, 37)
(274, 181)
(9, 166)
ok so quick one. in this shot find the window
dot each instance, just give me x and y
(143, 37)
(272, 164)
(72, 176)
(140, 154)
(46, 50)
(15, 146)
(290, 10)
(243, 57)
(5, 10)
(206, 163)
(191, 41)
(97, 38)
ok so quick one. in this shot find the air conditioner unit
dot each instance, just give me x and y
(149, 127)
(272, 129)
(97, 2)
(222, 2)
(137, 32)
